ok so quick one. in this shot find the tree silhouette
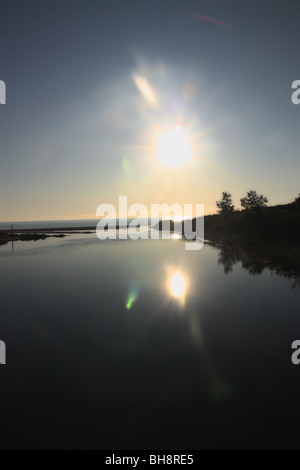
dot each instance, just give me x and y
(253, 201)
(225, 206)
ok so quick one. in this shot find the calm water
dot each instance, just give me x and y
(143, 345)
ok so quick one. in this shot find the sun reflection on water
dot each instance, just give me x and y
(176, 236)
(177, 286)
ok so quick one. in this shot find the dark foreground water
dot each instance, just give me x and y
(143, 345)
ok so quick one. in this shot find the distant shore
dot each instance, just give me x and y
(7, 236)
(14, 235)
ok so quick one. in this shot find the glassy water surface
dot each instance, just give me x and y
(143, 345)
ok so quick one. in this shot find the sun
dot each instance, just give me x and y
(173, 149)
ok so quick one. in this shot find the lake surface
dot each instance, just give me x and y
(143, 345)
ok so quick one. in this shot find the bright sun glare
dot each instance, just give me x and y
(177, 285)
(173, 149)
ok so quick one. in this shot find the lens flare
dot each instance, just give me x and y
(125, 164)
(131, 300)
(146, 90)
(132, 296)
(211, 20)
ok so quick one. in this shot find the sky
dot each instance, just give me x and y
(97, 91)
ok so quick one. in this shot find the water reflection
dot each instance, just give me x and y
(216, 387)
(156, 377)
(176, 236)
(177, 285)
(254, 263)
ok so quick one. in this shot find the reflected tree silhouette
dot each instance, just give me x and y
(227, 258)
(254, 264)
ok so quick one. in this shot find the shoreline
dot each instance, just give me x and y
(7, 236)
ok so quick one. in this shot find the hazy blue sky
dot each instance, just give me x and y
(77, 132)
